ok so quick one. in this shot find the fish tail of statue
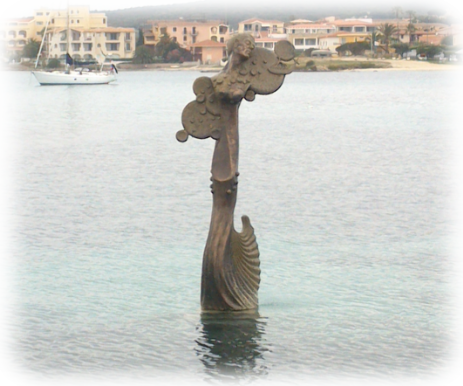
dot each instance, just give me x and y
(231, 266)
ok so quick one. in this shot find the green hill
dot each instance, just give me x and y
(238, 10)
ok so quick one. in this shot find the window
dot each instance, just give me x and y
(174, 29)
(184, 30)
(104, 21)
(214, 30)
(127, 36)
(39, 22)
(268, 45)
(310, 42)
(62, 47)
(298, 42)
(127, 46)
(248, 27)
(275, 28)
(112, 46)
(222, 40)
(214, 38)
(40, 14)
(184, 38)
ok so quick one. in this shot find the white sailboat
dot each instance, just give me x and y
(77, 76)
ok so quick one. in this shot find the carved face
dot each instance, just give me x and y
(244, 47)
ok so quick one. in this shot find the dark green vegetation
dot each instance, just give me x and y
(166, 51)
(53, 63)
(235, 11)
(311, 64)
(31, 49)
(357, 48)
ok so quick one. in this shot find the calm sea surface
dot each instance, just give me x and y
(345, 176)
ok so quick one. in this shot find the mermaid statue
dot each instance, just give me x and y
(231, 266)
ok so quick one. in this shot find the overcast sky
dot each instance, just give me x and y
(23, 8)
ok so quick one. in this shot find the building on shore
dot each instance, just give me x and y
(14, 35)
(259, 27)
(87, 44)
(208, 52)
(185, 32)
(90, 38)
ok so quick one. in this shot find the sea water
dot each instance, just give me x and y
(346, 177)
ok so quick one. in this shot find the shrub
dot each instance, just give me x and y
(53, 63)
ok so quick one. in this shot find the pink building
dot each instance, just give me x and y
(185, 32)
(208, 51)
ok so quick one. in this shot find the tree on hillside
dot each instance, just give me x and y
(31, 49)
(386, 31)
(437, 12)
(141, 39)
(397, 12)
(411, 16)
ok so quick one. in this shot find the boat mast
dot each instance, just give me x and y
(67, 32)
(43, 41)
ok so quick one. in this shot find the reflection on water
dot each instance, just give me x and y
(232, 344)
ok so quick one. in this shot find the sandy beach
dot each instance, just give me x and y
(414, 65)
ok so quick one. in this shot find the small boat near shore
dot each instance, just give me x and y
(75, 77)
(72, 76)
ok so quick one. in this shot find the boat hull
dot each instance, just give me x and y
(73, 78)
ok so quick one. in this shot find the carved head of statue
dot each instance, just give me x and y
(241, 45)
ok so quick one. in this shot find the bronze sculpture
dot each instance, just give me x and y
(230, 272)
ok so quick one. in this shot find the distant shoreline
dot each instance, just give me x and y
(322, 66)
